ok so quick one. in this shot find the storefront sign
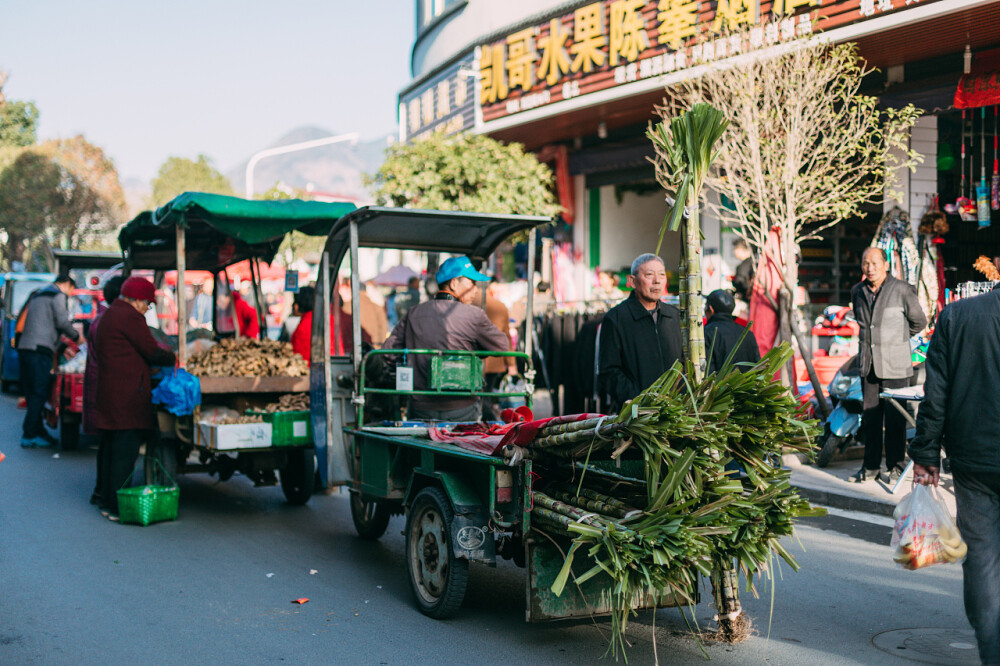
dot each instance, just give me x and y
(444, 102)
(614, 42)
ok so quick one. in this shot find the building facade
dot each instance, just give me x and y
(578, 83)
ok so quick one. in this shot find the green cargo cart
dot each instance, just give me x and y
(461, 506)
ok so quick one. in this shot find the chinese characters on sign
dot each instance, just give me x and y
(443, 103)
(611, 42)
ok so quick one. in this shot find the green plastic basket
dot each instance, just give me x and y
(144, 505)
(288, 428)
(456, 373)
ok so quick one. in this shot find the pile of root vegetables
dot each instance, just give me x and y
(248, 357)
(290, 402)
(684, 513)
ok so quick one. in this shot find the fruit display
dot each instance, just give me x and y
(248, 357)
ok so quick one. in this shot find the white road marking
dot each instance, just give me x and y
(872, 518)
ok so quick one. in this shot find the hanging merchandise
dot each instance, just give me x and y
(895, 236)
(982, 190)
(964, 207)
(995, 189)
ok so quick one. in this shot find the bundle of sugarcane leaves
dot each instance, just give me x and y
(697, 515)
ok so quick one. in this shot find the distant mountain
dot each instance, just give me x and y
(335, 169)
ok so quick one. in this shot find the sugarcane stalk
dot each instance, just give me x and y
(573, 426)
(618, 510)
(575, 513)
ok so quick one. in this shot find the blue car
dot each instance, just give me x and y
(15, 288)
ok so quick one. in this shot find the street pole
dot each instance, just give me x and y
(291, 148)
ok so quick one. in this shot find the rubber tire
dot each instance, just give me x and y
(69, 434)
(6, 386)
(431, 513)
(298, 476)
(371, 517)
(829, 447)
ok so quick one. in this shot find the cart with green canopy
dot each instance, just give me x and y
(210, 232)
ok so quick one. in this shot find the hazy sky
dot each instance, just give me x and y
(147, 79)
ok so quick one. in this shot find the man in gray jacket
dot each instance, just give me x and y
(447, 322)
(888, 313)
(45, 320)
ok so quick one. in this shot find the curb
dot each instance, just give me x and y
(847, 502)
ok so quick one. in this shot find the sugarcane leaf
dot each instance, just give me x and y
(560, 582)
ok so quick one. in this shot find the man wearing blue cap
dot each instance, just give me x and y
(450, 321)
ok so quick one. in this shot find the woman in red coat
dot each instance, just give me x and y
(125, 351)
(301, 339)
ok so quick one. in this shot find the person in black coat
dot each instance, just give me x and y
(640, 337)
(722, 333)
(959, 412)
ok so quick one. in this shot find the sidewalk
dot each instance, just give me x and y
(830, 487)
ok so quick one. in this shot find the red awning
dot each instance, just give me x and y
(981, 86)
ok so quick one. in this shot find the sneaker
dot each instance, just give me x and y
(893, 474)
(49, 438)
(864, 475)
(34, 443)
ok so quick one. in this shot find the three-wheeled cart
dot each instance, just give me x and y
(461, 506)
(208, 232)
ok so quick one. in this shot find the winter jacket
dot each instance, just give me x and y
(46, 320)
(125, 351)
(635, 351)
(960, 410)
(444, 324)
(722, 334)
(884, 341)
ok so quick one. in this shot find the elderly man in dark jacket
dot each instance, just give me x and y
(722, 334)
(888, 313)
(640, 337)
(960, 412)
(125, 351)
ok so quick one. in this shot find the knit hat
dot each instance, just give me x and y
(139, 289)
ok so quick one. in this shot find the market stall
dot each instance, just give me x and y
(242, 422)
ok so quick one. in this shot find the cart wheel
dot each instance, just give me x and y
(370, 516)
(829, 445)
(298, 476)
(69, 434)
(438, 578)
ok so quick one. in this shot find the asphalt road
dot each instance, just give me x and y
(216, 587)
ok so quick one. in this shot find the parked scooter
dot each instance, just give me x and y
(845, 418)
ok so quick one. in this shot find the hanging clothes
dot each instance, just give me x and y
(767, 282)
(895, 236)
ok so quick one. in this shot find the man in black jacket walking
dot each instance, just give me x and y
(960, 412)
(640, 337)
(722, 333)
(888, 313)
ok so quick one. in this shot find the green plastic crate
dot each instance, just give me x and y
(456, 373)
(288, 428)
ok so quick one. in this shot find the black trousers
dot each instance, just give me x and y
(36, 383)
(879, 416)
(121, 452)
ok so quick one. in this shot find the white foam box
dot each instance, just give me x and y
(233, 436)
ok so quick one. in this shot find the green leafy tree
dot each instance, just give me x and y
(18, 120)
(179, 175)
(62, 193)
(467, 172)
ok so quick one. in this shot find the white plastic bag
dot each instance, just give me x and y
(924, 533)
(512, 384)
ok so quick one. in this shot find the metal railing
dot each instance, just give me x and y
(359, 399)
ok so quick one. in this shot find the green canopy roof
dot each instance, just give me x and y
(221, 230)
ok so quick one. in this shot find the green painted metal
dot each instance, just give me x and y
(544, 562)
(594, 225)
(438, 353)
(456, 373)
(427, 446)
